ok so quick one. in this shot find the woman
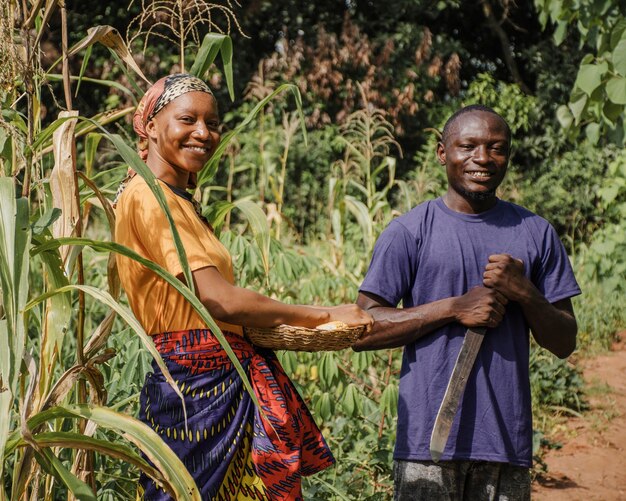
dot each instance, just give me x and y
(230, 450)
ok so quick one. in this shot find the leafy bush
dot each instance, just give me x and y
(556, 385)
(568, 193)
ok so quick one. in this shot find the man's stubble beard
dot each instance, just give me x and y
(478, 196)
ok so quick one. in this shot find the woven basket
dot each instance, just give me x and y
(288, 337)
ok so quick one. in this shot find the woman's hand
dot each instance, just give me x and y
(351, 315)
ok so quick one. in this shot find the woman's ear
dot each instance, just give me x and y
(151, 127)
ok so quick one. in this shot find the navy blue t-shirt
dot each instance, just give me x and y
(432, 253)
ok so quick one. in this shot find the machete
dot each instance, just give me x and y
(450, 403)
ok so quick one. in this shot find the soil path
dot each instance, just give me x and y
(591, 465)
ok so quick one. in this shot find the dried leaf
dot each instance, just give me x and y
(101, 334)
(62, 179)
(111, 38)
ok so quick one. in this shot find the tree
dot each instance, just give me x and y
(598, 98)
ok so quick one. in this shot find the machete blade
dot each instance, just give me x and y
(456, 386)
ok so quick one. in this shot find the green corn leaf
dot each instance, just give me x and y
(209, 49)
(169, 278)
(42, 143)
(45, 136)
(358, 186)
(56, 317)
(128, 74)
(172, 472)
(79, 489)
(359, 210)
(105, 298)
(211, 165)
(212, 44)
(227, 61)
(148, 442)
(79, 441)
(55, 77)
(131, 157)
(14, 266)
(91, 147)
(83, 67)
(217, 212)
(46, 220)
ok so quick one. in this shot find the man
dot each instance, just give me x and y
(468, 259)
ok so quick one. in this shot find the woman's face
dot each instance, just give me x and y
(184, 134)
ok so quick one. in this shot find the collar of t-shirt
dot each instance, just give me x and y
(179, 191)
(189, 197)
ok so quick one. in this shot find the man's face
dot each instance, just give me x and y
(476, 155)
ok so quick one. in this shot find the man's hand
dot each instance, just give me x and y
(553, 325)
(480, 307)
(505, 274)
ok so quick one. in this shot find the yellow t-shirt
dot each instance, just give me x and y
(142, 226)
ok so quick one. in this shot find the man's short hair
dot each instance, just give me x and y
(470, 109)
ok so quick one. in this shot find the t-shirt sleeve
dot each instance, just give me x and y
(153, 230)
(391, 272)
(553, 274)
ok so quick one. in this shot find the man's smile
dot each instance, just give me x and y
(479, 174)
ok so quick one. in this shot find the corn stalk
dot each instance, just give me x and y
(34, 433)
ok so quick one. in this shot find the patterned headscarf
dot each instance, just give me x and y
(154, 100)
(158, 96)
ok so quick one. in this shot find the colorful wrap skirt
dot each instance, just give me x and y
(229, 448)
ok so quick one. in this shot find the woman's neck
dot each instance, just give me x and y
(167, 172)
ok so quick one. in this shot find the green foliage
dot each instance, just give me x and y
(603, 258)
(555, 384)
(307, 214)
(598, 98)
(213, 44)
(571, 197)
(361, 182)
(600, 315)
(14, 266)
(518, 109)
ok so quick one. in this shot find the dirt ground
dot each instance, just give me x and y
(591, 465)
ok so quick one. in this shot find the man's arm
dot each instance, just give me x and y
(553, 324)
(393, 327)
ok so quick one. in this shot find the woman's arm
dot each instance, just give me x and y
(239, 306)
